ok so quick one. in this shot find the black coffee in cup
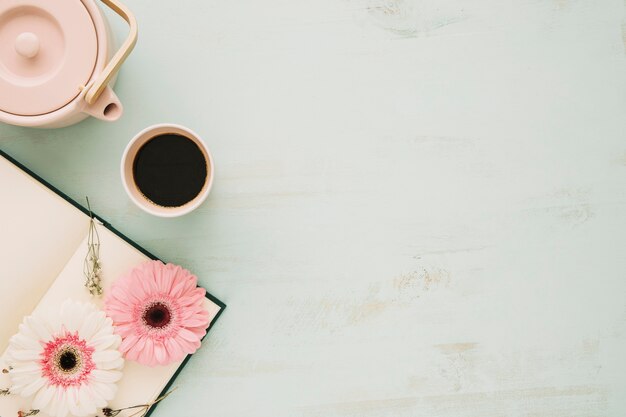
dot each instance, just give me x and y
(170, 170)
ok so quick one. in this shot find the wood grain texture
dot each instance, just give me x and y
(419, 206)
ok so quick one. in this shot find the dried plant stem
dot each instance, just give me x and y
(92, 268)
(141, 409)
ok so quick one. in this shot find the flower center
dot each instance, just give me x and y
(157, 315)
(68, 361)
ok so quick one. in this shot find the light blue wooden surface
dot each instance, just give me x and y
(419, 205)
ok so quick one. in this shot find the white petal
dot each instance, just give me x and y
(53, 406)
(24, 368)
(26, 330)
(107, 377)
(116, 364)
(101, 356)
(97, 400)
(105, 339)
(71, 317)
(38, 327)
(89, 327)
(33, 387)
(54, 323)
(72, 402)
(22, 380)
(20, 368)
(18, 388)
(85, 401)
(43, 397)
(25, 355)
(24, 342)
(103, 391)
(63, 406)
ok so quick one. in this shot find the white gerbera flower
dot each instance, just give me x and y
(69, 363)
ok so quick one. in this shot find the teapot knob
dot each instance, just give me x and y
(27, 44)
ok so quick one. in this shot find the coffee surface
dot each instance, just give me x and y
(170, 170)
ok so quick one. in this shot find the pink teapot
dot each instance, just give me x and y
(56, 61)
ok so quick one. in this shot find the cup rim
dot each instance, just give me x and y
(144, 204)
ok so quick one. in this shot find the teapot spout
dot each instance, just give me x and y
(107, 107)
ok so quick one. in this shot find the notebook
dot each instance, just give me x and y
(43, 243)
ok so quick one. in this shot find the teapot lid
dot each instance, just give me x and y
(48, 50)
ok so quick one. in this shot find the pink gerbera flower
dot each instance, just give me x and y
(159, 312)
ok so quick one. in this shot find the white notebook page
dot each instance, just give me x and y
(39, 232)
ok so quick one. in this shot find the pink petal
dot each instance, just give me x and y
(122, 295)
(128, 342)
(125, 329)
(198, 331)
(191, 282)
(187, 335)
(196, 321)
(161, 281)
(177, 289)
(189, 347)
(174, 349)
(192, 297)
(146, 357)
(160, 353)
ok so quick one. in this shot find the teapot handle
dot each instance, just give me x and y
(116, 62)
